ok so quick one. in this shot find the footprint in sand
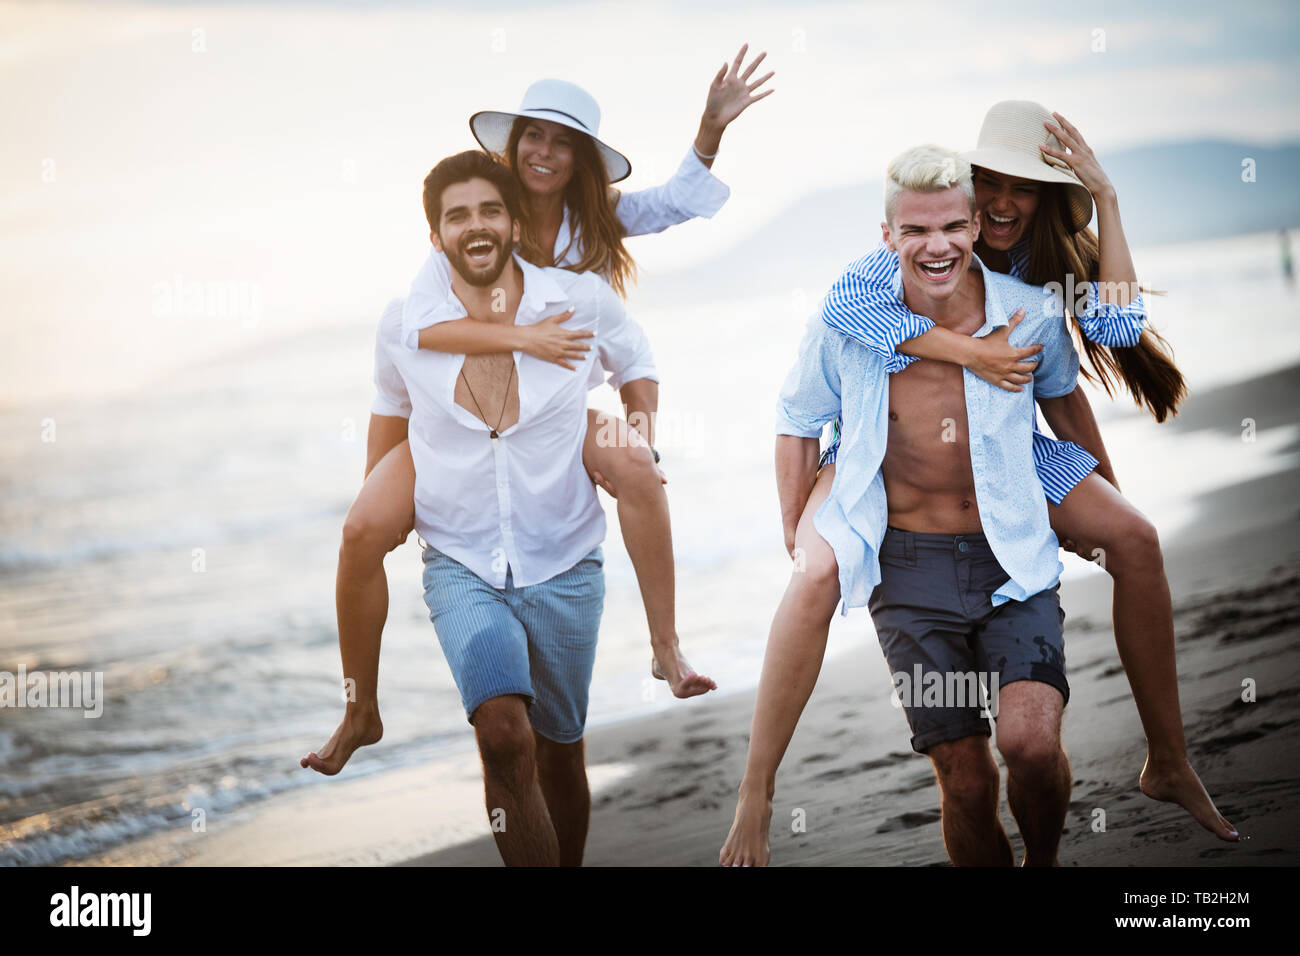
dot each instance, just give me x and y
(909, 821)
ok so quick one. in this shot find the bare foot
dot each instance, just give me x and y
(680, 675)
(747, 842)
(1179, 784)
(356, 730)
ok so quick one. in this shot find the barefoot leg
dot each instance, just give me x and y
(380, 519)
(1038, 772)
(627, 468)
(562, 775)
(1106, 527)
(796, 645)
(516, 807)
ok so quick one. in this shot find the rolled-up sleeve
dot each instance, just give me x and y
(391, 396)
(692, 192)
(810, 395)
(429, 300)
(621, 344)
(864, 305)
(1108, 324)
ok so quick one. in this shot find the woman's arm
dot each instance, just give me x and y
(1070, 418)
(730, 94)
(862, 304)
(693, 190)
(1110, 310)
(544, 340)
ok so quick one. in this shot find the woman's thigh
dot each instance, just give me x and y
(613, 447)
(1095, 515)
(384, 509)
(810, 547)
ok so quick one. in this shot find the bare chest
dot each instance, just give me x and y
(488, 388)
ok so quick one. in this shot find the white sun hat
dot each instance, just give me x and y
(559, 102)
(1008, 144)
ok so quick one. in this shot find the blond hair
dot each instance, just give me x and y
(926, 169)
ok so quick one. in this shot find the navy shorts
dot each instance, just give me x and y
(941, 634)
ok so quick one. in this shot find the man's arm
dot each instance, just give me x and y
(810, 397)
(383, 435)
(641, 401)
(1070, 418)
(624, 351)
(391, 409)
(796, 473)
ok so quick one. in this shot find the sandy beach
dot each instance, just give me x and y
(664, 785)
(869, 800)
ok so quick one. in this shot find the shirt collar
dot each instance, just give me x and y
(994, 316)
(540, 290)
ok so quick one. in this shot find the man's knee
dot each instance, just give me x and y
(557, 759)
(968, 776)
(1029, 727)
(1029, 751)
(505, 737)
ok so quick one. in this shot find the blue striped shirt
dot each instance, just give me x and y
(837, 377)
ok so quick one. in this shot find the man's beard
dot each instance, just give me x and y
(467, 270)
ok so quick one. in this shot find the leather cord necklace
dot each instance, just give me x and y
(494, 434)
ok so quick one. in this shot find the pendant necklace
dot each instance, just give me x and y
(493, 434)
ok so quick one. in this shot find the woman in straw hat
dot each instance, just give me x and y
(572, 218)
(1036, 180)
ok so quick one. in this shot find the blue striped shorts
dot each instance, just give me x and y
(537, 641)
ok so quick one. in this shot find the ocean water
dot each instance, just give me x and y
(180, 539)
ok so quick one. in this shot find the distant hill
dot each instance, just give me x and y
(1172, 192)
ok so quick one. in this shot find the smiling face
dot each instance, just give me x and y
(934, 234)
(1006, 206)
(476, 231)
(544, 157)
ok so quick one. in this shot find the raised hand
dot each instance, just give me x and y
(731, 92)
(1079, 157)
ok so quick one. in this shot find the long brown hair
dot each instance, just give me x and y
(593, 223)
(1056, 253)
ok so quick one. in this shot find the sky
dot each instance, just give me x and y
(273, 153)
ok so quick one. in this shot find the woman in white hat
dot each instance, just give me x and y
(1036, 180)
(572, 218)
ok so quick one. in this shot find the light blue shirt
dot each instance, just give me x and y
(836, 375)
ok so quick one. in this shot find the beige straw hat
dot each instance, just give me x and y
(1008, 144)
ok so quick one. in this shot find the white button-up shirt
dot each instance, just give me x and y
(523, 500)
(693, 191)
